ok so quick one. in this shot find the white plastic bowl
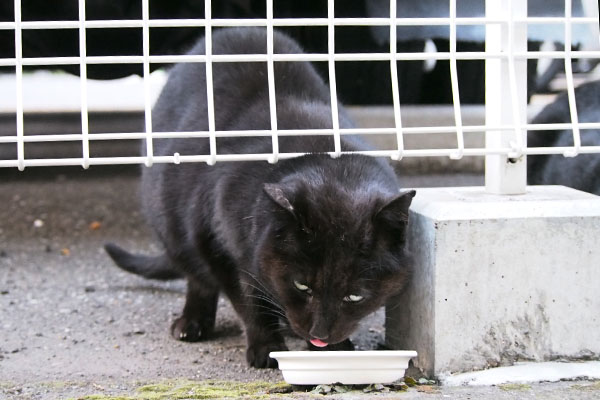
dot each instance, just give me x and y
(347, 367)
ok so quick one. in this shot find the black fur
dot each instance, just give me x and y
(581, 172)
(158, 267)
(254, 230)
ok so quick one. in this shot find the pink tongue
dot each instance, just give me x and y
(318, 343)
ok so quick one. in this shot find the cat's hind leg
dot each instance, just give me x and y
(199, 313)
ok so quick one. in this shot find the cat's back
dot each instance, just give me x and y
(241, 102)
(581, 172)
(182, 104)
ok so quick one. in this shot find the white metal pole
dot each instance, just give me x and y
(210, 99)
(271, 84)
(395, 81)
(335, 121)
(20, 162)
(147, 88)
(506, 97)
(460, 141)
(85, 143)
(570, 82)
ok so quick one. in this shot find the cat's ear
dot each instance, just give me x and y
(276, 193)
(394, 214)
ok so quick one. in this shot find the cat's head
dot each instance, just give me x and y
(333, 255)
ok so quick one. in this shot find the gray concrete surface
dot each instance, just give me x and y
(72, 324)
(488, 291)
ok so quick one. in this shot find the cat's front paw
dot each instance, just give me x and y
(257, 355)
(189, 330)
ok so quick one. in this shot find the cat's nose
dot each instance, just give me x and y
(319, 333)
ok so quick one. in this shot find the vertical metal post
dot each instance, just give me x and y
(147, 89)
(570, 83)
(271, 82)
(460, 139)
(506, 97)
(85, 143)
(335, 121)
(19, 94)
(210, 99)
(395, 81)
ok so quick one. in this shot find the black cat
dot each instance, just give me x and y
(313, 241)
(581, 172)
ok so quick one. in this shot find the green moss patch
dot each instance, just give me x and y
(200, 390)
(587, 387)
(510, 387)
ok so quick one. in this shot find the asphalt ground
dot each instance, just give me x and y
(73, 325)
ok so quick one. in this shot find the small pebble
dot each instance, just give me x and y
(38, 223)
(95, 225)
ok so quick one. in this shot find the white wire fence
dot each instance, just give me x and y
(506, 23)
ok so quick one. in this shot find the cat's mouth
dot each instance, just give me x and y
(318, 343)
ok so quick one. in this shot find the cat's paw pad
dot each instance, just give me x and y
(257, 355)
(188, 330)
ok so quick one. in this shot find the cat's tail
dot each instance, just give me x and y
(159, 267)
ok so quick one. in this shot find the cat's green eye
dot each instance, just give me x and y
(302, 288)
(353, 298)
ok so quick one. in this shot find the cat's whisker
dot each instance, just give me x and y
(394, 307)
(251, 275)
(276, 327)
(367, 269)
(264, 297)
(254, 277)
(259, 289)
(392, 336)
(262, 289)
(269, 311)
(278, 310)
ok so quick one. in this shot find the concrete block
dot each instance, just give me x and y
(500, 279)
